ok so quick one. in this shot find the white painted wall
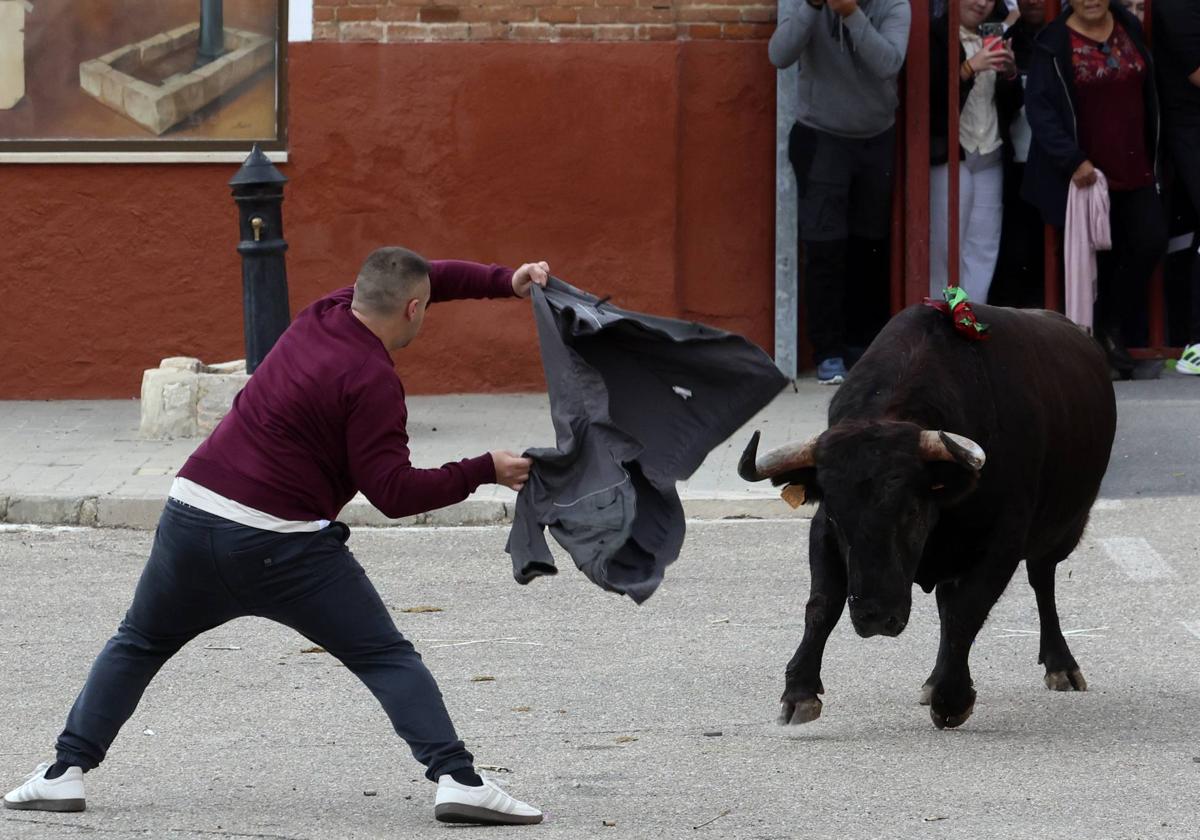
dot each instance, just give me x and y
(300, 19)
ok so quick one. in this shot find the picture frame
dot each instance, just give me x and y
(142, 80)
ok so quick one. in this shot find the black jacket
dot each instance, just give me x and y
(1008, 95)
(637, 402)
(1051, 105)
(1177, 49)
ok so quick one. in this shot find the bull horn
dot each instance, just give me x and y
(792, 456)
(947, 446)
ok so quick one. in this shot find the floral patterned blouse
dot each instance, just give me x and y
(1109, 79)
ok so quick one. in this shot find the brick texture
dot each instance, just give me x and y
(407, 21)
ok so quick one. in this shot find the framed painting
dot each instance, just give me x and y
(154, 79)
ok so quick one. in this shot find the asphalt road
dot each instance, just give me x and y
(604, 711)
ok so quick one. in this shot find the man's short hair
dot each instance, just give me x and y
(388, 280)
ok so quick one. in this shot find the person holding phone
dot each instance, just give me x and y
(989, 95)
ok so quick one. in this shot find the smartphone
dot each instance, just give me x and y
(993, 35)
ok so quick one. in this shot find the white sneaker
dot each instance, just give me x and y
(1189, 362)
(486, 805)
(41, 794)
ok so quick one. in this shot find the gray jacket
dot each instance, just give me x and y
(637, 401)
(848, 66)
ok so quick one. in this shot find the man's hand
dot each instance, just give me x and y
(1085, 175)
(845, 8)
(527, 275)
(511, 470)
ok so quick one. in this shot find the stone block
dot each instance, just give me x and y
(112, 88)
(145, 104)
(169, 404)
(91, 78)
(152, 49)
(214, 397)
(187, 363)
(181, 35)
(237, 366)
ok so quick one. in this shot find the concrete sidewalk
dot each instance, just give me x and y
(81, 462)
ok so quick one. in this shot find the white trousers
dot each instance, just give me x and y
(980, 213)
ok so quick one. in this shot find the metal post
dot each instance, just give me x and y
(916, 152)
(1051, 279)
(212, 31)
(953, 259)
(258, 191)
(787, 234)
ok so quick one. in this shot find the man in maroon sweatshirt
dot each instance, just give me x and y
(248, 528)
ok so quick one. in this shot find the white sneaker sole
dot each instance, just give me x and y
(837, 380)
(57, 805)
(1187, 369)
(455, 812)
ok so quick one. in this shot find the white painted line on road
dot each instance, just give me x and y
(1081, 633)
(1192, 627)
(1137, 558)
(1108, 504)
(20, 527)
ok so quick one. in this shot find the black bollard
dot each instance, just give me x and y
(212, 31)
(258, 191)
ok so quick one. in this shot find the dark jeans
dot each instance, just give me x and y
(844, 190)
(1184, 143)
(1139, 238)
(203, 571)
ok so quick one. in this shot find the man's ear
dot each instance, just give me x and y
(949, 482)
(410, 308)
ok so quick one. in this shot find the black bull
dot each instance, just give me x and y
(946, 463)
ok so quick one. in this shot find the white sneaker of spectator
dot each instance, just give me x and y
(1189, 362)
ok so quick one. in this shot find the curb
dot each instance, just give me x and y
(142, 513)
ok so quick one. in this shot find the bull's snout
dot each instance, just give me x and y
(873, 617)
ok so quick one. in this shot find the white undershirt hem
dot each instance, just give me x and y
(201, 498)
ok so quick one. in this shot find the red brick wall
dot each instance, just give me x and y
(397, 21)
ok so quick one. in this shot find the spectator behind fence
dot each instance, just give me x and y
(989, 94)
(1019, 279)
(1092, 104)
(1177, 52)
(842, 146)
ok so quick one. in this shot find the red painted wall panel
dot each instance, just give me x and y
(644, 171)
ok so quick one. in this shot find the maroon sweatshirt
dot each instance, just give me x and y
(323, 417)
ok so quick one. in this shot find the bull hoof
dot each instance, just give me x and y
(926, 696)
(1066, 680)
(950, 721)
(804, 711)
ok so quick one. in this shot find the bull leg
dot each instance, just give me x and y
(1062, 672)
(826, 600)
(964, 605)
